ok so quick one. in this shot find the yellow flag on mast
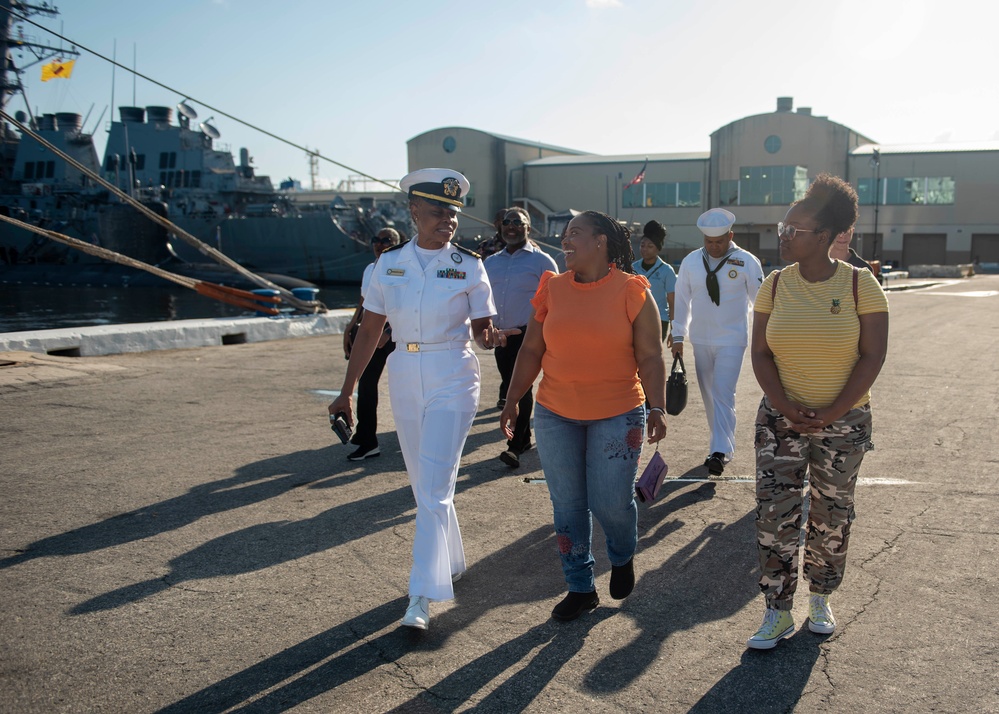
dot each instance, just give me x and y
(57, 69)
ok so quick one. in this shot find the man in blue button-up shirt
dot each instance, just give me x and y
(514, 274)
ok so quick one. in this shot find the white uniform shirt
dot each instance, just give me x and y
(433, 304)
(366, 278)
(700, 320)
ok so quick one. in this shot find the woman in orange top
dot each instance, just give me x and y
(596, 335)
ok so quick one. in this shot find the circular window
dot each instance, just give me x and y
(449, 144)
(772, 144)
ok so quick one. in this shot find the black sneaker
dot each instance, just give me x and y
(364, 452)
(500, 403)
(715, 463)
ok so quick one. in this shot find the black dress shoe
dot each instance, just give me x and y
(500, 403)
(622, 580)
(573, 605)
(715, 463)
(511, 458)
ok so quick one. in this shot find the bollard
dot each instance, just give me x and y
(269, 292)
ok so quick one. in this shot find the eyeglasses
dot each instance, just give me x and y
(790, 231)
(513, 222)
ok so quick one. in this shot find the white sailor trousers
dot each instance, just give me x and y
(434, 396)
(718, 370)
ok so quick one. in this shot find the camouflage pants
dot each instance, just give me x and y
(831, 458)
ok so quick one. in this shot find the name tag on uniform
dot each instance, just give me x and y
(736, 261)
(451, 274)
(395, 271)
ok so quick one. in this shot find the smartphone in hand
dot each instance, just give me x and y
(338, 423)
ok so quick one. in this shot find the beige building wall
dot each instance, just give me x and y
(552, 180)
(490, 163)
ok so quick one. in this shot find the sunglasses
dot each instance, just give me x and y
(379, 239)
(790, 231)
(513, 222)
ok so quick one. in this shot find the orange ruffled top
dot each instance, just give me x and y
(589, 366)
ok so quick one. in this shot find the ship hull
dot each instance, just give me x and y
(311, 247)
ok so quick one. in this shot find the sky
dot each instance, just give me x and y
(357, 80)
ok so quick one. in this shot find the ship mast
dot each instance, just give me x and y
(10, 40)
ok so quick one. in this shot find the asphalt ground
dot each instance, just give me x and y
(180, 533)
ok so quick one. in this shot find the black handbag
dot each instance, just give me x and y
(676, 388)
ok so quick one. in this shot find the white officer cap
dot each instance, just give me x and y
(443, 186)
(716, 222)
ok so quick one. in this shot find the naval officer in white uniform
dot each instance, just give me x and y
(437, 297)
(715, 291)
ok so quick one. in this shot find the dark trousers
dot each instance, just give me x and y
(367, 398)
(506, 358)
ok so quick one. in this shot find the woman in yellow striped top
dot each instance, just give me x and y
(820, 335)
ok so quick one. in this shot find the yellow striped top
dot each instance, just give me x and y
(814, 330)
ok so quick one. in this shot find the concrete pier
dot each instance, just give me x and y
(180, 533)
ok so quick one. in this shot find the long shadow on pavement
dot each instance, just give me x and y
(256, 547)
(504, 579)
(249, 484)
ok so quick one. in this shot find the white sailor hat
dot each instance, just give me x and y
(443, 186)
(716, 222)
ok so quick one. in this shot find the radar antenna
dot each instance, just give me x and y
(185, 109)
(210, 130)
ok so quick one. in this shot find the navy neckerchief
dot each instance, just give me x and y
(712, 278)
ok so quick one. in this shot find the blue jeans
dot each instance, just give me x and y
(590, 467)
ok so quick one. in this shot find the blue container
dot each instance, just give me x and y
(307, 294)
(268, 292)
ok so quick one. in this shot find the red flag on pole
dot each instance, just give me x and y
(641, 175)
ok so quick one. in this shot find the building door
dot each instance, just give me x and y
(984, 248)
(749, 242)
(924, 249)
(868, 245)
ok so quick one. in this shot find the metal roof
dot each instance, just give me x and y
(503, 137)
(620, 159)
(935, 148)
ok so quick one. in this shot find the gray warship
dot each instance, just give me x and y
(176, 168)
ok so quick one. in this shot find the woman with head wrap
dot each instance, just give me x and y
(659, 273)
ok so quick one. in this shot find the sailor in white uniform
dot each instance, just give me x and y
(715, 291)
(436, 296)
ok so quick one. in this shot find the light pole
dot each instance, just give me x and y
(876, 165)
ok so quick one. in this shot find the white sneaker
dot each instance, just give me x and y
(418, 613)
(820, 616)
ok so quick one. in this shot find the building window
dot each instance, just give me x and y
(168, 159)
(926, 191)
(675, 194)
(29, 170)
(764, 186)
(772, 144)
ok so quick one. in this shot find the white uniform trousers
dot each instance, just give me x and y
(434, 398)
(717, 375)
